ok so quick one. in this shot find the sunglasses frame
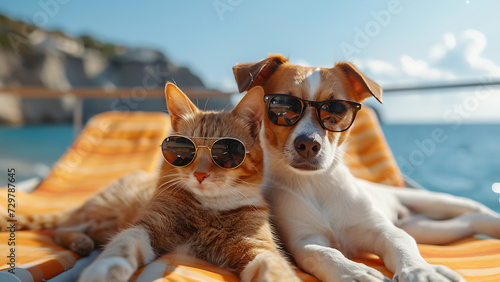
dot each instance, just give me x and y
(315, 104)
(196, 147)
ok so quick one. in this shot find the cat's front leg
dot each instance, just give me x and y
(128, 251)
(269, 266)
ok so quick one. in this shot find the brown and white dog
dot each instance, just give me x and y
(324, 214)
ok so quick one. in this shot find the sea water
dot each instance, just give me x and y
(461, 160)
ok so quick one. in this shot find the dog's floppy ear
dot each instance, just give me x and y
(248, 75)
(362, 85)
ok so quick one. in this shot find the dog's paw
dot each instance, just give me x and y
(115, 269)
(359, 272)
(431, 273)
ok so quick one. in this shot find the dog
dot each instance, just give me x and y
(323, 214)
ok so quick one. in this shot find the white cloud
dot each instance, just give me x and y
(300, 62)
(457, 57)
(454, 57)
(439, 50)
(462, 106)
(381, 67)
(476, 45)
(420, 69)
(228, 84)
(449, 41)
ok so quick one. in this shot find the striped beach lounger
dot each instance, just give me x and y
(115, 143)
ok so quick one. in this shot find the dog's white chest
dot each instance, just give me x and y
(324, 204)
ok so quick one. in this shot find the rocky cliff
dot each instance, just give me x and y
(39, 58)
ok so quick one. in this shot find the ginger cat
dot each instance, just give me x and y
(214, 212)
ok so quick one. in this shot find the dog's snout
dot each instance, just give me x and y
(307, 146)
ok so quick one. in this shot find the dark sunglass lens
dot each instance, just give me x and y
(228, 153)
(336, 116)
(178, 151)
(284, 110)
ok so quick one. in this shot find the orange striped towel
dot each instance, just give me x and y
(367, 154)
(113, 144)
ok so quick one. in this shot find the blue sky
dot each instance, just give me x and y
(394, 41)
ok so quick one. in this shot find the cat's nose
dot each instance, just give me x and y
(307, 146)
(200, 176)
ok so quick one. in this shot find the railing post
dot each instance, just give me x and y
(77, 116)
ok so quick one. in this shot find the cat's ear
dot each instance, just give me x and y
(251, 108)
(178, 104)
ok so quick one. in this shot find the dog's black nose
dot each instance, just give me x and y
(307, 147)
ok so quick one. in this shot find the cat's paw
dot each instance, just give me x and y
(271, 267)
(82, 245)
(329, 264)
(114, 269)
(427, 273)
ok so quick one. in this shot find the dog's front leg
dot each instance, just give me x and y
(401, 256)
(314, 255)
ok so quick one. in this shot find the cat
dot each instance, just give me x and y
(216, 214)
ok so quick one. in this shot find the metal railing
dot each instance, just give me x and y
(101, 93)
(440, 86)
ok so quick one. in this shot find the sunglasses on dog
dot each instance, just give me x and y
(181, 151)
(333, 115)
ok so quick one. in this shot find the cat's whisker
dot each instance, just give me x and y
(169, 184)
(206, 103)
(238, 180)
(177, 188)
(171, 175)
(169, 181)
(256, 169)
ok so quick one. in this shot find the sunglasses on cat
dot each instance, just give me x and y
(181, 151)
(333, 115)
